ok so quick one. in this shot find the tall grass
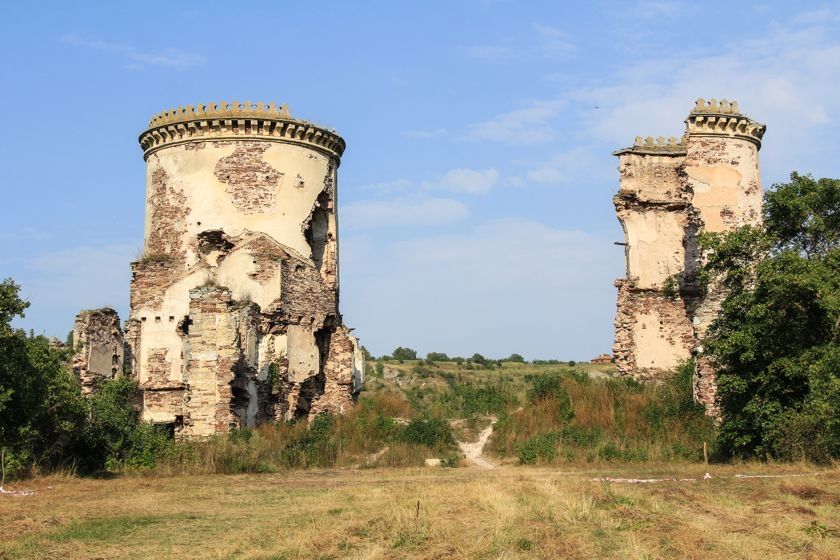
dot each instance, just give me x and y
(369, 435)
(575, 418)
(563, 416)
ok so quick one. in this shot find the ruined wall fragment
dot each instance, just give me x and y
(98, 340)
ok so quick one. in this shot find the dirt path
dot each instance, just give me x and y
(474, 451)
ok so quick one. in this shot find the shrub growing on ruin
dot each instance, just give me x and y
(114, 435)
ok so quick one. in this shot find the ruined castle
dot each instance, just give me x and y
(669, 192)
(234, 304)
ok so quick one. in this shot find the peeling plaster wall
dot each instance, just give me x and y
(653, 328)
(723, 176)
(234, 309)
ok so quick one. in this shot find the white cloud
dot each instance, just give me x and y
(459, 180)
(577, 164)
(170, 57)
(785, 79)
(528, 125)
(504, 286)
(411, 211)
(469, 180)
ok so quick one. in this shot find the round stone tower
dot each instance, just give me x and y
(724, 181)
(234, 302)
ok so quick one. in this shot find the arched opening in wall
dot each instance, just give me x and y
(317, 230)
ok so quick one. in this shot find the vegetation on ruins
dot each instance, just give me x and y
(45, 423)
(777, 339)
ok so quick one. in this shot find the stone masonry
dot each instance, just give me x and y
(669, 192)
(99, 344)
(234, 304)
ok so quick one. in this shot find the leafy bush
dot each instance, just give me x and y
(433, 432)
(550, 386)
(465, 400)
(539, 448)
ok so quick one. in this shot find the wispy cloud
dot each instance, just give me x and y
(463, 180)
(531, 124)
(24, 234)
(786, 77)
(403, 212)
(542, 42)
(172, 58)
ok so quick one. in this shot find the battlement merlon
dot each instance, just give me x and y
(233, 121)
(723, 118)
(671, 146)
(707, 118)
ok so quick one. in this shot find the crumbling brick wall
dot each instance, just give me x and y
(99, 343)
(670, 192)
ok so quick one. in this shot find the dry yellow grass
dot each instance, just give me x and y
(432, 513)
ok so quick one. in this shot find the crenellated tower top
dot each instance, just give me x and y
(723, 118)
(670, 146)
(236, 121)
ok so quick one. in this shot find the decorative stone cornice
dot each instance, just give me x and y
(659, 146)
(713, 118)
(236, 121)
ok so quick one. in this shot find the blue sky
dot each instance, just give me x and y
(475, 192)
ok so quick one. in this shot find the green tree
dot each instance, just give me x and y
(777, 339)
(41, 408)
(437, 357)
(516, 358)
(478, 359)
(404, 354)
(11, 305)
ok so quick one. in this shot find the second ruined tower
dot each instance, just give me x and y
(234, 303)
(669, 192)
